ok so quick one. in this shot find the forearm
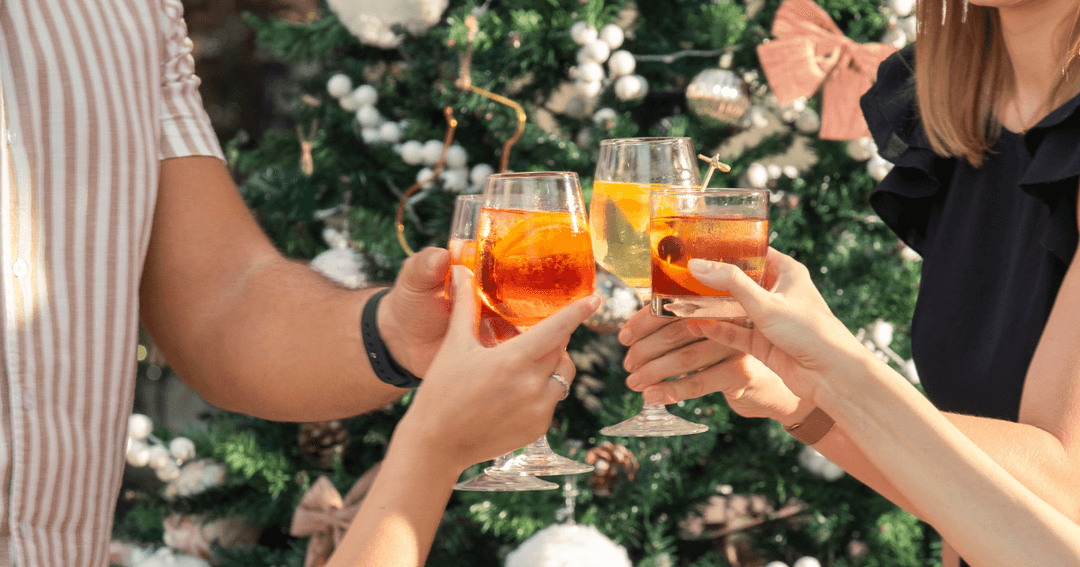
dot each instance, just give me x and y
(401, 513)
(285, 344)
(972, 501)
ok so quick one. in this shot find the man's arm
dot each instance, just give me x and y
(256, 333)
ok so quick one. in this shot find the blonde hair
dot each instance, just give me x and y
(963, 72)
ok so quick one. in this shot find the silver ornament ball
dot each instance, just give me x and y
(718, 94)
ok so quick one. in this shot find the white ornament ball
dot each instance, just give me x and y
(597, 51)
(791, 172)
(166, 557)
(775, 171)
(480, 173)
(727, 60)
(370, 135)
(196, 477)
(139, 426)
(561, 545)
(861, 149)
(878, 167)
(621, 63)
(390, 132)
(757, 175)
(590, 71)
(426, 178)
(776, 564)
(583, 33)
(138, 453)
(895, 37)
(902, 8)
(631, 87)
(808, 121)
(818, 464)
(159, 457)
(604, 115)
(366, 95)
(342, 265)
(412, 152)
(339, 85)
(168, 473)
(806, 561)
(182, 449)
(368, 117)
(910, 26)
(908, 253)
(432, 152)
(456, 157)
(910, 372)
(349, 104)
(881, 332)
(456, 180)
(612, 35)
(589, 89)
(757, 116)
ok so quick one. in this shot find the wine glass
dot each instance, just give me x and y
(462, 247)
(627, 171)
(534, 257)
(722, 225)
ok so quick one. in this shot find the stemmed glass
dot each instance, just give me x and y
(534, 257)
(462, 247)
(628, 169)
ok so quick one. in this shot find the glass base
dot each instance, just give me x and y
(504, 483)
(723, 308)
(654, 421)
(540, 464)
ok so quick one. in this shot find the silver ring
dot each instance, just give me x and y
(565, 385)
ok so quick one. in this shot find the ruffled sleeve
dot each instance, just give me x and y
(905, 196)
(1053, 176)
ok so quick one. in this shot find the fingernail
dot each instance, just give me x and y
(434, 262)
(653, 397)
(624, 336)
(631, 382)
(593, 303)
(630, 367)
(701, 266)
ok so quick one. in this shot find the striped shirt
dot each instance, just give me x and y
(95, 93)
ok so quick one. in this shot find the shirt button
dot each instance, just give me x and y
(19, 268)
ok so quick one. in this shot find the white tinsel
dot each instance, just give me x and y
(165, 557)
(373, 22)
(195, 478)
(342, 265)
(568, 546)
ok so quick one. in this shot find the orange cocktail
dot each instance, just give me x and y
(533, 263)
(722, 225)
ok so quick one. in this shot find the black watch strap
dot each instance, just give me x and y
(384, 365)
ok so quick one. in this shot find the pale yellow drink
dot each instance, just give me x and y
(619, 224)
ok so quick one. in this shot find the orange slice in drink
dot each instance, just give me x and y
(539, 233)
(683, 278)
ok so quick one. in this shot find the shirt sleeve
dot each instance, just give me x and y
(185, 127)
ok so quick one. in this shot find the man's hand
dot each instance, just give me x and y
(413, 316)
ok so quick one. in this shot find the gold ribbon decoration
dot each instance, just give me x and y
(463, 82)
(323, 515)
(810, 52)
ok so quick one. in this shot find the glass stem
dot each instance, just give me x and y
(538, 448)
(502, 459)
(654, 411)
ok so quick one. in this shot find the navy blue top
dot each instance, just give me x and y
(996, 242)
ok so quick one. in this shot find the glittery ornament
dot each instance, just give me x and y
(561, 545)
(618, 303)
(718, 94)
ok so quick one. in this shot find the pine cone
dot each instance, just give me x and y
(323, 441)
(609, 459)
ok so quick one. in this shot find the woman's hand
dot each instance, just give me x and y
(476, 403)
(663, 347)
(794, 334)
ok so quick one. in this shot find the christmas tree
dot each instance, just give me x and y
(367, 154)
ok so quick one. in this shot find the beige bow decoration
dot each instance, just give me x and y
(324, 515)
(810, 52)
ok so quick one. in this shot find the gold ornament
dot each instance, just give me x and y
(610, 459)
